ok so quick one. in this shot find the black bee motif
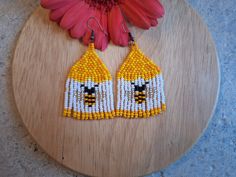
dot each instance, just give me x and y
(89, 96)
(140, 93)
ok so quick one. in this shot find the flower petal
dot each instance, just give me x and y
(116, 25)
(54, 4)
(135, 16)
(57, 14)
(72, 15)
(160, 9)
(154, 22)
(80, 27)
(152, 8)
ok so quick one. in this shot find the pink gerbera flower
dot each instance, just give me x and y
(73, 16)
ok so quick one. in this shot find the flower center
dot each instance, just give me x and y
(102, 4)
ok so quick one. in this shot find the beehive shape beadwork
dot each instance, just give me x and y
(140, 87)
(89, 93)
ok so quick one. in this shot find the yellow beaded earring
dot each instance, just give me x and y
(140, 86)
(89, 92)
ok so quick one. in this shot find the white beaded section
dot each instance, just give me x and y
(71, 94)
(105, 97)
(119, 88)
(122, 94)
(132, 98)
(74, 96)
(163, 98)
(89, 87)
(100, 98)
(148, 96)
(125, 95)
(78, 96)
(129, 95)
(158, 91)
(154, 93)
(96, 100)
(93, 109)
(111, 95)
(108, 96)
(66, 102)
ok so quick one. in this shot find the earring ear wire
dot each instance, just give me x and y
(98, 23)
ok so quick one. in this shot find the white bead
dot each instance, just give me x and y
(104, 96)
(158, 91)
(71, 93)
(155, 93)
(125, 95)
(111, 95)
(129, 89)
(163, 99)
(118, 107)
(75, 97)
(66, 101)
(101, 97)
(148, 95)
(78, 96)
(122, 94)
(96, 99)
(132, 98)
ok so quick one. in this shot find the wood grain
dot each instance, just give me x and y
(181, 46)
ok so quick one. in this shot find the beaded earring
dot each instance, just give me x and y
(89, 92)
(140, 86)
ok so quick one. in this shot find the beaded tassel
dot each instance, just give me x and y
(89, 93)
(140, 87)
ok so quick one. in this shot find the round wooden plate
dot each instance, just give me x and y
(181, 46)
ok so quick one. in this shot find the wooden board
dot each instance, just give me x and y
(183, 48)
